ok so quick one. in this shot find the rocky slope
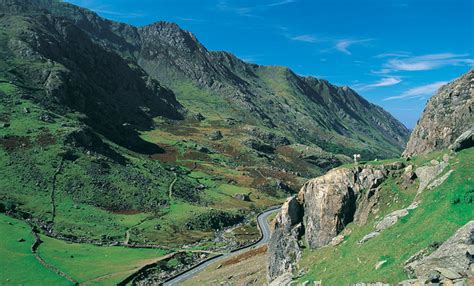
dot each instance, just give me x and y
(319, 215)
(306, 110)
(449, 263)
(349, 216)
(447, 115)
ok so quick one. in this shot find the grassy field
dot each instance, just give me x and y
(84, 262)
(441, 212)
(93, 264)
(18, 265)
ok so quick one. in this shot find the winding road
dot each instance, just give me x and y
(265, 237)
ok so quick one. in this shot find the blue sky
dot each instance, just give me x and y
(394, 53)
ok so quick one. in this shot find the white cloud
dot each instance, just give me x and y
(274, 4)
(117, 14)
(305, 38)
(381, 71)
(419, 92)
(344, 44)
(386, 81)
(250, 58)
(428, 62)
(223, 5)
(190, 19)
(393, 55)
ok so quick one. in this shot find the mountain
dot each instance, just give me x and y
(447, 115)
(305, 109)
(68, 72)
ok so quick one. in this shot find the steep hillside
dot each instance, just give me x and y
(448, 114)
(342, 223)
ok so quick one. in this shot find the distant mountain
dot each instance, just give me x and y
(448, 114)
(220, 86)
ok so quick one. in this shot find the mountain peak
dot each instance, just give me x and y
(172, 34)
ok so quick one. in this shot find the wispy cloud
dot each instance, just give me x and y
(344, 44)
(381, 71)
(393, 55)
(385, 81)
(190, 19)
(419, 92)
(250, 58)
(118, 14)
(428, 62)
(274, 4)
(248, 11)
(305, 38)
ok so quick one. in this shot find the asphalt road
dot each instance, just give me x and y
(264, 228)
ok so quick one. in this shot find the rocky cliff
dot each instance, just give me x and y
(284, 243)
(322, 209)
(447, 115)
(340, 197)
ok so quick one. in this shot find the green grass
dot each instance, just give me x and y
(212, 106)
(441, 212)
(18, 265)
(103, 265)
(7, 88)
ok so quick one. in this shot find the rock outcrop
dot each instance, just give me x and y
(323, 207)
(284, 250)
(447, 115)
(340, 197)
(427, 174)
(466, 140)
(453, 261)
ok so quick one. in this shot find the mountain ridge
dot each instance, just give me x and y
(176, 58)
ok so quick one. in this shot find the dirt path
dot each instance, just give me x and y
(170, 189)
(127, 233)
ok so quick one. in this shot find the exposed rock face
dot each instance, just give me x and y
(466, 140)
(452, 261)
(426, 174)
(340, 197)
(388, 221)
(283, 248)
(322, 209)
(447, 115)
